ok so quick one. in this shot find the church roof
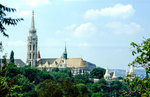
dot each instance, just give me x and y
(46, 64)
(71, 62)
(49, 60)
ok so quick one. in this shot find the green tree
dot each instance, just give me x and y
(7, 86)
(142, 51)
(66, 70)
(69, 88)
(12, 70)
(27, 87)
(97, 73)
(137, 88)
(50, 89)
(5, 20)
(11, 57)
(83, 78)
(83, 90)
(98, 94)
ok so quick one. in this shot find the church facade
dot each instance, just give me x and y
(77, 65)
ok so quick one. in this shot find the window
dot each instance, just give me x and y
(33, 55)
(30, 56)
(33, 47)
(30, 47)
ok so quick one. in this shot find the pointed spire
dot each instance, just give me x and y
(32, 29)
(114, 75)
(131, 69)
(65, 49)
(65, 52)
(38, 55)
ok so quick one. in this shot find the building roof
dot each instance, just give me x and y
(44, 60)
(71, 62)
(17, 62)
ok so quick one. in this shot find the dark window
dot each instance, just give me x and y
(33, 47)
(30, 47)
(33, 55)
(30, 56)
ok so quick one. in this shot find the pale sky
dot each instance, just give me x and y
(99, 31)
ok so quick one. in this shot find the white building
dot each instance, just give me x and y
(109, 77)
(130, 74)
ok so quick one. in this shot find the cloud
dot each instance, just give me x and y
(119, 10)
(67, 30)
(86, 29)
(121, 28)
(82, 30)
(17, 43)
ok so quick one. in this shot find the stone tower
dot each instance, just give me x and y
(32, 44)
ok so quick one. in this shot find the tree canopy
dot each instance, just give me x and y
(142, 53)
(5, 20)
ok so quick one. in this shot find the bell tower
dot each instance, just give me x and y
(32, 44)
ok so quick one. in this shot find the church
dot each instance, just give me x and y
(76, 65)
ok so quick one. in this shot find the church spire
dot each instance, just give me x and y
(65, 52)
(32, 29)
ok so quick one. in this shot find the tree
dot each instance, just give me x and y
(12, 70)
(69, 88)
(27, 87)
(143, 55)
(97, 73)
(137, 88)
(5, 20)
(7, 86)
(83, 78)
(11, 57)
(50, 89)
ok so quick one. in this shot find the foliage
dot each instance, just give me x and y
(98, 94)
(143, 52)
(55, 70)
(83, 78)
(7, 86)
(138, 88)
(36, 76)
(69, 87)
(66, 70)
(11, 60)
(97, 73)
(27, 87)
(12, 70)
(5, 20)
(83, 89)
(50, 89)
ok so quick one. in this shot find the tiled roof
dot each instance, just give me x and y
(71, 62)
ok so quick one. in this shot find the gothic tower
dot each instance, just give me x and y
(32, 44)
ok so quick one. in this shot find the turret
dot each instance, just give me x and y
(107, 75)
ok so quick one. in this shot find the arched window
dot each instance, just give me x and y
(33, 47)
(30, 56)
(33, 55)
(30, 47)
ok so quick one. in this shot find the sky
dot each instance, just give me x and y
(99, 31)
